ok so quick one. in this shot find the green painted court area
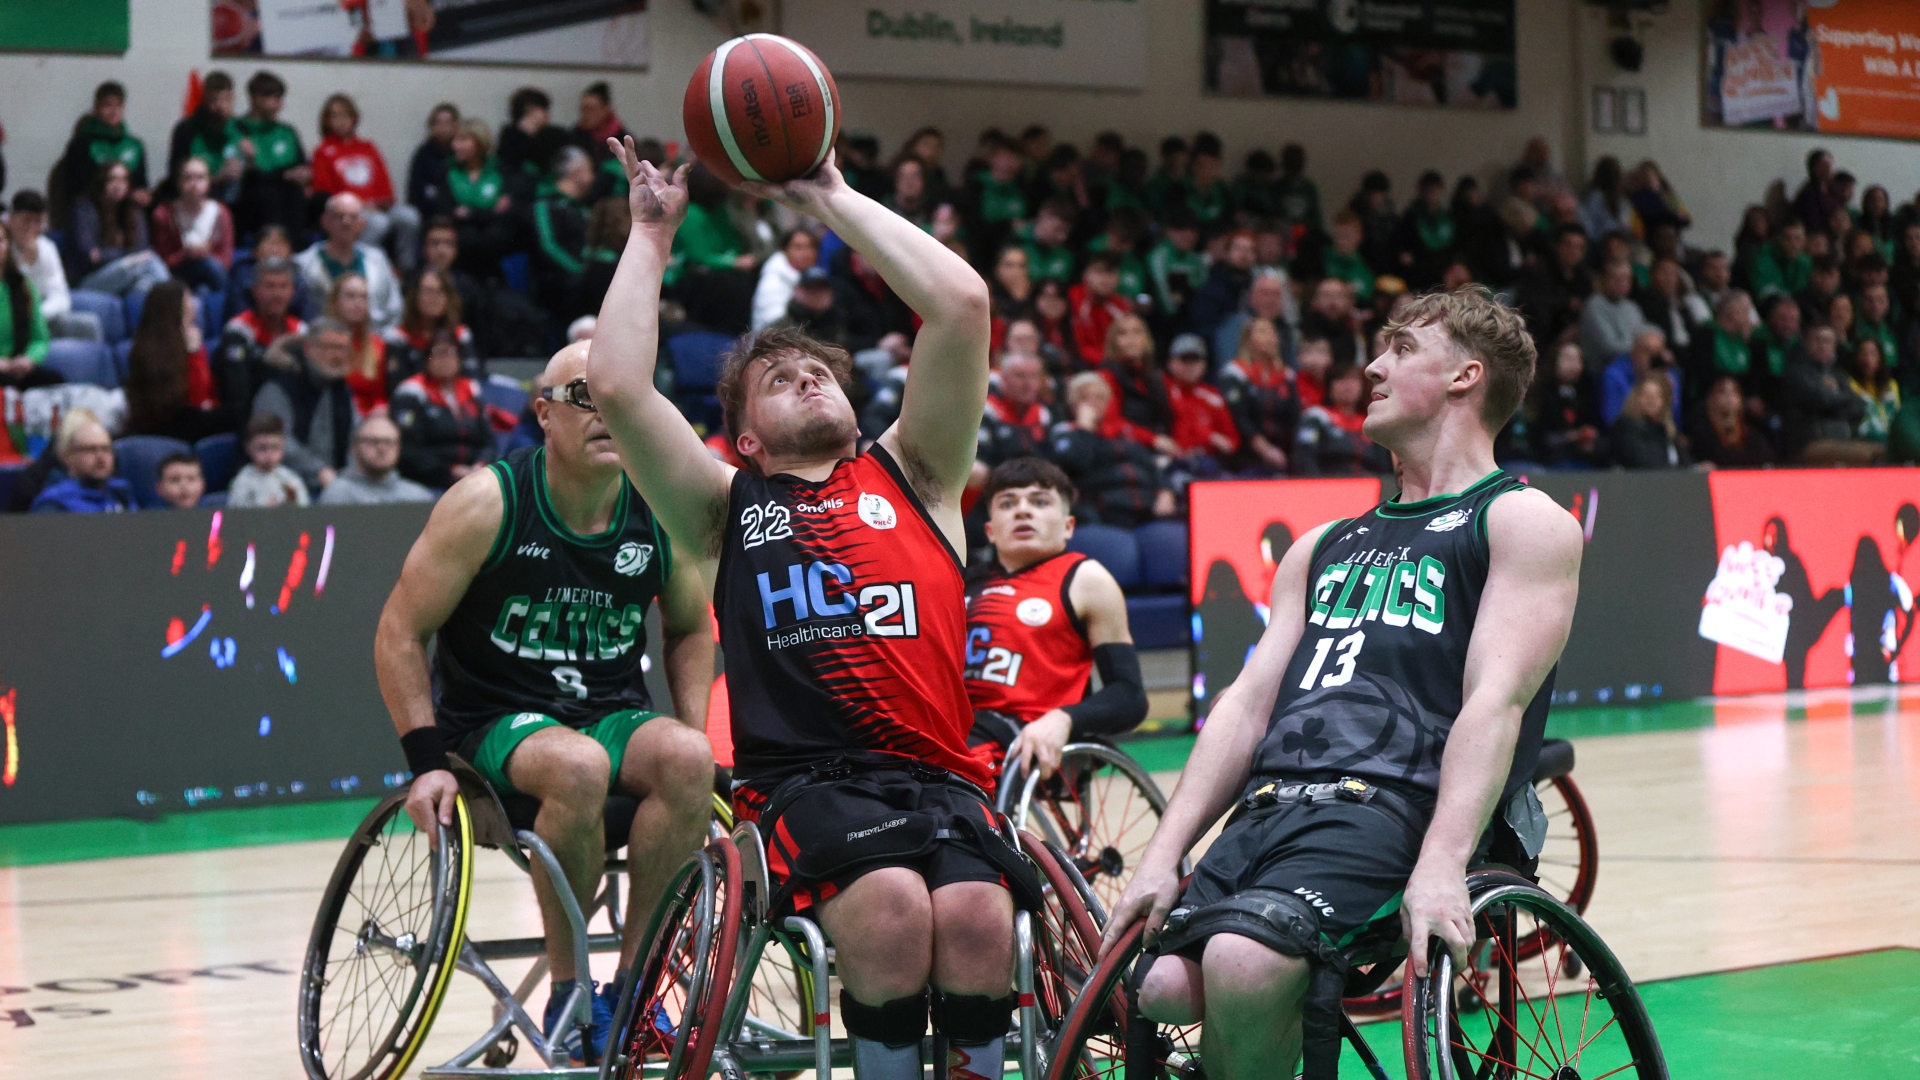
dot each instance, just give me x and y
(1851, 1017)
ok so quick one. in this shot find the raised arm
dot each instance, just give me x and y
(1525, 614)
(443, 562)
(1222, 756)
(681, 481)
(947, 382)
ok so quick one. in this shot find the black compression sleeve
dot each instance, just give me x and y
(1121, 702)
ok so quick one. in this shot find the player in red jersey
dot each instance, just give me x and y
(1039, 619)
(842, 613)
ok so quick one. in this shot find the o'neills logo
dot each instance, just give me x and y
(880, 828)
(820, 507)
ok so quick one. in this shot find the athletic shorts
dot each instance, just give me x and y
(995, 731)
(832, 812)
(488, 748)
(1349, 860)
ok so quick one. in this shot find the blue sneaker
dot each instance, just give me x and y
(601, 1002)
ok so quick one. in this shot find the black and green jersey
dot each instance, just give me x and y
(276, 146)
(1374, 686)
(554, 622)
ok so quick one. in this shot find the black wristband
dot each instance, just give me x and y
(426, 750)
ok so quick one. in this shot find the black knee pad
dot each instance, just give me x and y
(972, 1019)
(900, 1022)
(1279, 920)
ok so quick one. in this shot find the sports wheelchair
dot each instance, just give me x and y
(1543, 996)
(391, 931)
(728, 985)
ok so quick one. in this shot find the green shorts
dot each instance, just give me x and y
(489, 747)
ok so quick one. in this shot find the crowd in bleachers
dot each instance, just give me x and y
(265, 325)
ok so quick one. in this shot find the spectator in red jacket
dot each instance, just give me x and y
(1139, 410)
(345, 162)
(194, 234)
(1203, 426)
(1096, 303)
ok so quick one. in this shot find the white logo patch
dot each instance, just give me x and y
(632, 559)
(524, 719)
(1449, 521)
(1034, 611)
(876, 511)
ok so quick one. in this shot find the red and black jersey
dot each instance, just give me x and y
(842, 617)
(1027, 652)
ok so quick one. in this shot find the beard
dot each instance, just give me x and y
(812, 438)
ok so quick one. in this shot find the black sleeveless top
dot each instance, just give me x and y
(554, 622)
(1374, 686)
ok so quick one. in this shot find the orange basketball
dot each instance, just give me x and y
(761, 107)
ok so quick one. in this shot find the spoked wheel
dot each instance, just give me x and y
(1100, 808)
(670, 1014)
(1066, 942)
(1569, 865)
(1517, 1016)
(1103, 1038)
(384, 944)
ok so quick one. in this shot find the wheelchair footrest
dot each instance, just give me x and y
(530, 947)
(794, 1055)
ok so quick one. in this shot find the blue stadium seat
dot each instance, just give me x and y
(1163, 555)
(219, 459)
(505, 394)
(137, 460)
(134, 302)
(518, 270)
(1159, 622)
(123, 358)
(108, 309)
(696, 358)
(1116, 549)
(215, 499)
(10, 475)
(83, 362)
(212, 315)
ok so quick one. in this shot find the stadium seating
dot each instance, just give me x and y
(696, 370)
(137, 460)
(134, 303)
(83, 362)
(219, 459)
(123, 358)
(1115, 548)
(507, 394)
(1138, 560)
(108, 309)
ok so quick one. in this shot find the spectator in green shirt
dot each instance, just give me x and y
(474, 195)
(273, 185)
(1048, 256)
(207, 133)
(1297, 196)
(712, 268)
(1874, 321)
(1253, 191)
(1783, 265)
(99, 137)
(560, 221)
(1124, 229)
(1343, 258)
(23, 330)
(995, 201)
(1203, 191)
(1169, 177)
(1176, 265)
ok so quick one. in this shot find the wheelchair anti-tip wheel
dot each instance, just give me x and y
(384, 944)
(671, 1012)
(1518, 1015)
(1100, 809)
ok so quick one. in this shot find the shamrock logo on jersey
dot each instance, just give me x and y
(1449, 521)
(1306, 743)
(632, 559)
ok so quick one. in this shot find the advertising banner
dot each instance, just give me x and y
(581, 33)
(1097, 44)
(1842, 66)
(164, 661)
(1457, 53)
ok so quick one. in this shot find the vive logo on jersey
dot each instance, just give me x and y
(876, 511)
(828, 605)
(632, 559)
(532, 551)
(1312, 896)
(1450, 520)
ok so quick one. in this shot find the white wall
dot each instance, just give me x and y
(44, 94)
(1718, 172)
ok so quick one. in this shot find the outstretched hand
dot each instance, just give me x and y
(808, 194)
(654, 197)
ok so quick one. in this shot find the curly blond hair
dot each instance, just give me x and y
(1485, 328)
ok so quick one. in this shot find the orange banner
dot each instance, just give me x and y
(1868, 77)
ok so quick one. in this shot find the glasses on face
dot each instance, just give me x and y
(375, 440)
(574, 393)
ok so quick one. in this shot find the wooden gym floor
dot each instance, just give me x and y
(1754, 833)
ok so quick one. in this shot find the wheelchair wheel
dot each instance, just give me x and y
(1102, 1037)
(1066, 943)
(1514, 1015)
(384, 944)
(1100, 808)
(670, 1015)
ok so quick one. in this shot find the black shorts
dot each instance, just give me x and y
(832, 812)
(995, 731)
(1349, 860)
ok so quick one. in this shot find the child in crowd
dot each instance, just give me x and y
(265, 481)
(181, 484)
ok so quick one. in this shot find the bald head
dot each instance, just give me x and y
(577, 441)
(343, 221)
(568, 364)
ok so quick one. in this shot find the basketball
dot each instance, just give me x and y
(761, 107)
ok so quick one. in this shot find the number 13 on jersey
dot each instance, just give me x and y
(1344, 660)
